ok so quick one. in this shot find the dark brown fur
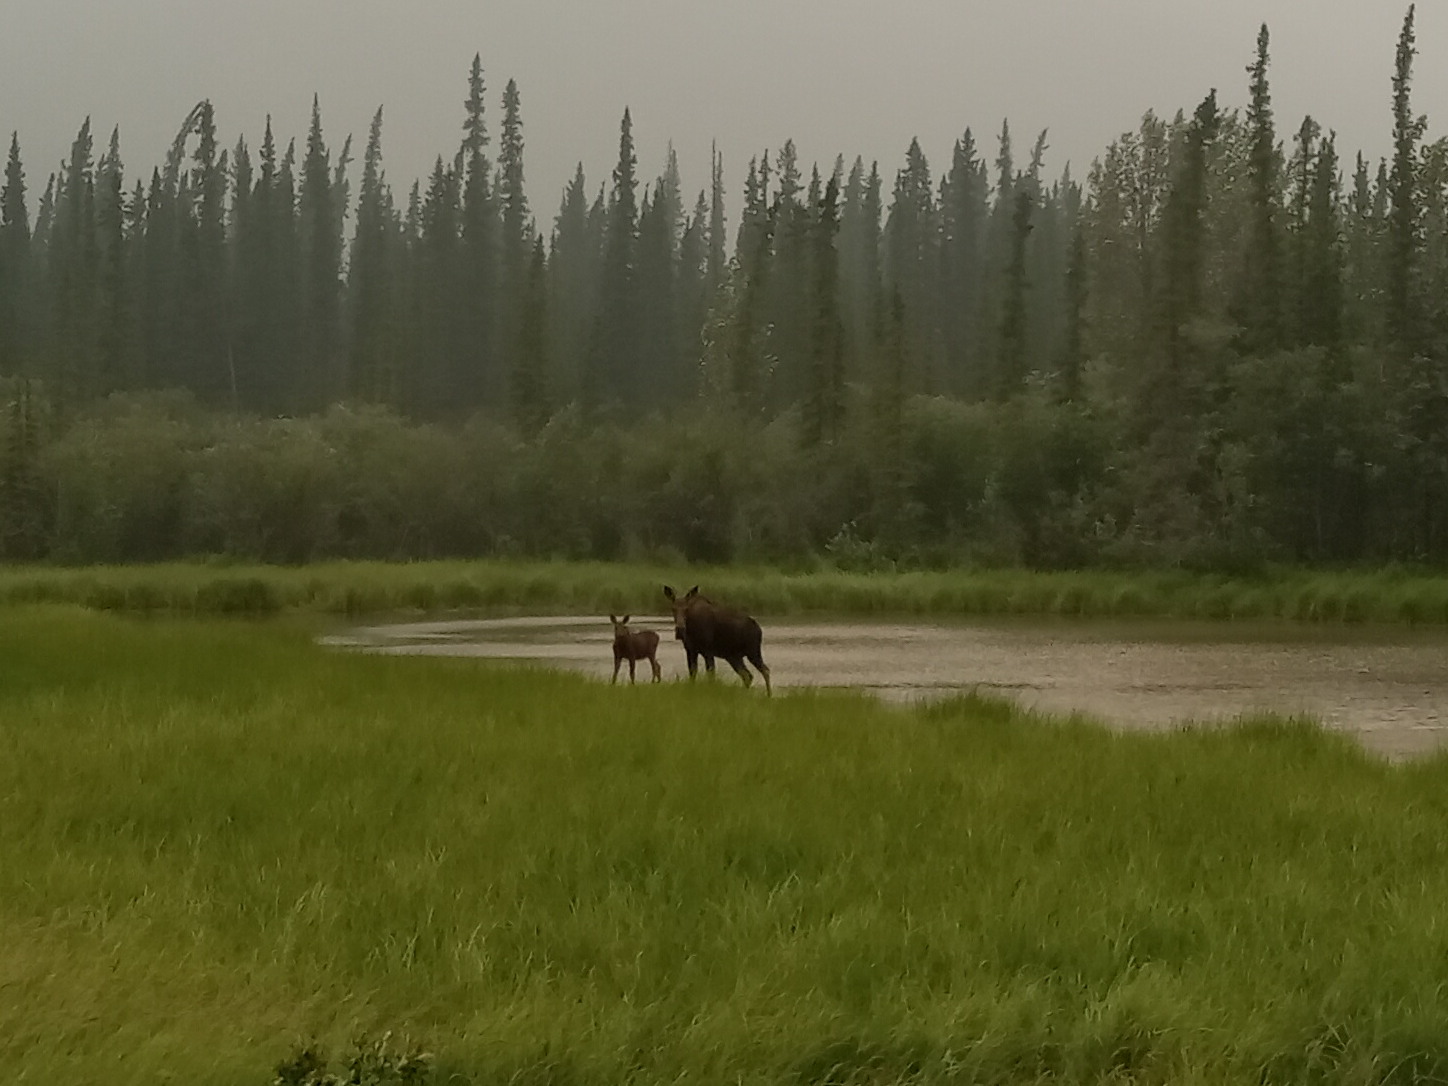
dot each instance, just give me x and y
(709, 630)
(633, 646)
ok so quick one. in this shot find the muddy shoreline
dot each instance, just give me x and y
(1387, 685)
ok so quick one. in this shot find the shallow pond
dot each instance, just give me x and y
(1388, 685)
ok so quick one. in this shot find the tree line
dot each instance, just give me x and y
(1221, 344)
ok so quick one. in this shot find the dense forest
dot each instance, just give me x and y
(1224, 345)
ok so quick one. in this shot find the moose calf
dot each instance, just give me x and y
(634, 646)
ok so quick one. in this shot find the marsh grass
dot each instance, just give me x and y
(355, 588)
(219, 844)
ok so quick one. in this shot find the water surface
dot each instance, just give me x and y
(1389, 686)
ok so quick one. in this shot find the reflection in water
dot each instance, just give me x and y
(1388, 685)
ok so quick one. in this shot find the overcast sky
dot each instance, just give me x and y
(846, 76)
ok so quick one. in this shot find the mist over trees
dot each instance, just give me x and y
(1226, 343)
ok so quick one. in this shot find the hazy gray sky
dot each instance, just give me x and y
(848, 76)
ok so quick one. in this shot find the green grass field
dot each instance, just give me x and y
(219, 843)
(200, 588)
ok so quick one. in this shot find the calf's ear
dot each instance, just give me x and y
(692, 593)
(612, 619)
(624, 621)
(669, 592)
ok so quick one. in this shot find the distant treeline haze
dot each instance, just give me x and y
(1223, 344)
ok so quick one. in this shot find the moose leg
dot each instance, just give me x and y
(693, 658)
(737, 663)
(658, 674)
(617, 660)
(631, 664)
(757, 659)
(709, 664)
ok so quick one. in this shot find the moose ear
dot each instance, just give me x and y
(624, 621)
(692, 593)
(669, 592)
(612, 619)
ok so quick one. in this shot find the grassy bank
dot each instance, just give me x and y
(218, 842)
(1391, 595)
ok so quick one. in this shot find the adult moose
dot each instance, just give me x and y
(709, 630)
(633, 646)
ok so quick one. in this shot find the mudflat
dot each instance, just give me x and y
(1387, 685)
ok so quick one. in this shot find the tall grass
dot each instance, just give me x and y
(218, 842)
(1389, 595)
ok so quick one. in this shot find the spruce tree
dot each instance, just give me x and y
(1011, 356)
(207, 287)
(998, 245)
(693, 296)
(1420, 378)
(45, 217)
(745, 351)
(74, 272)
(825, 404)
(1363, 260)
(156, 279)
(371, 375)
(1172, 398)
(263, 299)
(1183, 236)
(1128, 190)
(1301, 174)
(517, 242)
(718, 246)
(964, 207)
(320, 238)
(113, 300)
(1048, 261)
(475, 125)
(859, 246)
(741, 334)
(1259, 301)
(471, 333)
(530, 369)
(1322, 309)
(284, 310)
(573, 275)
(1404, 227)
(16, 301)
(443, 381)
(911, 261)
(787, 306)
(1433, 278)
(612, 375)
(755, 212)
(657, 355)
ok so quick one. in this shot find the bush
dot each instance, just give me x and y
(371, 1063)
(238, 596)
